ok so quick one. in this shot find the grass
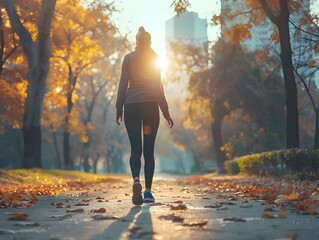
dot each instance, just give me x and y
(52, 176)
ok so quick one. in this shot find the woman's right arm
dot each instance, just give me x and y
(122, 88)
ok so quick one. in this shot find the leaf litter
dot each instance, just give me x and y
(302, 197)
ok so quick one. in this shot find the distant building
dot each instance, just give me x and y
(187, 27)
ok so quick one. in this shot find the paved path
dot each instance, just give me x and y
(158, 221)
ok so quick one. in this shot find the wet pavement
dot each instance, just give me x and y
(181, 211)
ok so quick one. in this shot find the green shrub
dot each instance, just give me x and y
(303, 163)
(232, 167)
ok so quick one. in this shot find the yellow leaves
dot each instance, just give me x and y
(281, 214)
(239, 33)
(313, 63)
(262, 55)
(283, 198)
(12, 99)
(274, 37)
(17, 216)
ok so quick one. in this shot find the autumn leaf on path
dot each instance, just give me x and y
(172, 218)
(195, 224)
(81, 204)
(17, 216)
(213, 206)
(79, 210)
(179, 207)
(62, 216)
(27, 224)
(267, 215)
(227, 203)
(100, 210)
(284, 198)
(234, 219)
(104, 217)
(281, 214)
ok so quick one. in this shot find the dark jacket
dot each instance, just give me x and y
(140, 83)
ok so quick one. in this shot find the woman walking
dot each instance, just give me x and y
(140, 92)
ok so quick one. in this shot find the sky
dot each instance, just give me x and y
(152, 15)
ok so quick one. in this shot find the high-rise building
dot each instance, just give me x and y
(187, 27)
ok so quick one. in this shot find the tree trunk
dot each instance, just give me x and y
(290, 83)
(56, 147)
(96, 160)
(316, 146)
(216, 128)
(68, 163)
(32, 147)
(86, 164)
(282, 23)
(39, 63)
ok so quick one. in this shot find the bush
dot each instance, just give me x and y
(303, 163)
(232, 167)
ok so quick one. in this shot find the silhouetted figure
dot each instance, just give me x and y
(141, 91)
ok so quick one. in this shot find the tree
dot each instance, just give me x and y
(83, 36)
(278, 12)
(38, 56)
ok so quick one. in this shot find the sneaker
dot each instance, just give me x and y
(148, 197)
(137, 198)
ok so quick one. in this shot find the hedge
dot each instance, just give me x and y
(303, 163)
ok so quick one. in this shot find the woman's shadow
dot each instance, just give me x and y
(136, 224)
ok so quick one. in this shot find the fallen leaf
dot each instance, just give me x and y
(196, 224)
(234, 219)
(100, 210)
(178, 201)
(179, 207)
(310, 211)
(27, 224)
(17, 216)
(281, 214)
(227, 203)
(79, 210)
(103, 217)
(222, 208)
(81, 204)
(172, 218)
(266, 215)
(315, 196)
(213, 206)
(284, 198)
(61, 216)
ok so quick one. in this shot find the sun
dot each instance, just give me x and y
(162, 63)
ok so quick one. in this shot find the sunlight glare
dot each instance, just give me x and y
(162, 63)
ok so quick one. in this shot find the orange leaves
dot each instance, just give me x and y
(239, 33)
(179, 207)
(12, 98)
(17, 216)
(100, 210)
(281, 214)
(284, 198)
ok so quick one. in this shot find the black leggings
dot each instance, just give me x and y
(137, 115)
